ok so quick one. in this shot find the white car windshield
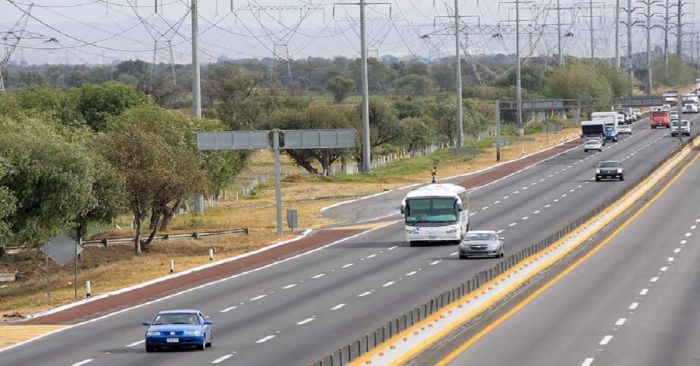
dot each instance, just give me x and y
(480, 236)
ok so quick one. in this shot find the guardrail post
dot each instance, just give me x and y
(211, 254)
(172, 265)
(88, 289)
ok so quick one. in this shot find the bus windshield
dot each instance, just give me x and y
(431, 210)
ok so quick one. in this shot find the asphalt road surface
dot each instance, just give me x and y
(299, 310)
(634, 302)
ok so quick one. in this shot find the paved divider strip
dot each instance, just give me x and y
(411, 333)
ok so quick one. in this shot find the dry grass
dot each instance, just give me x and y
(115, 267)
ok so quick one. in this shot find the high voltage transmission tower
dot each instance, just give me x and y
(560, 50)
(279, 42)
(648, 15)
(591, 5)
(679, 26)
(11, 40)
(629, 23)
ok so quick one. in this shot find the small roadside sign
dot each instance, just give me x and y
(61, 249)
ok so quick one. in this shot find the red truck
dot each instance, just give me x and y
(660, 119)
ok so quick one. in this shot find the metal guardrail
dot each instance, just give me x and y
(349, 352)
(107, 241)
(196, 235)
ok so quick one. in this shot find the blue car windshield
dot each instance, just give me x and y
(176, 318)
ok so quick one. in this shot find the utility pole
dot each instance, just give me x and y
(196, 82)
(648, 26)
(561, 57)
(679, 30)
(458, 82)
(590, 15)
(617, 33)
(666, 27)
(629, 23)
(518, 91)
(366, 151)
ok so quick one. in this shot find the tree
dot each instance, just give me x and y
(532, 78)
(97, 102)
(8, 205)
(49, 177)
(676, 73)
(580, 81)
(444, 76)
(322, 116)
(155, 152)
(414, 85)
(108, 193)
(56, 102)
(385, 127)
(340, 87)
(419, 132)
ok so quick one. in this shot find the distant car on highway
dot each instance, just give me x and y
(690, 108)
(481, 243)
(627, 128)
(685, 128)
(610, 169)
(592, 144)
(179, 328)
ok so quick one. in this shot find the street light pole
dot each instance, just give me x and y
(458, 82)
(518, 91)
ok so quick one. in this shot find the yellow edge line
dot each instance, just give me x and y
(366, 358)
(554, 280)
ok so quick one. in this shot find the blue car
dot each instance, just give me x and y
(178, 328)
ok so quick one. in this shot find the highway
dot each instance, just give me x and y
(298, 310)
(633, 302)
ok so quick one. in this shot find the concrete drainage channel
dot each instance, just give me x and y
(409, 334)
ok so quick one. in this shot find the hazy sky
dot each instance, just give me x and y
(102, 31)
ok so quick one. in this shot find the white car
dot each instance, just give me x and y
(593, 144)
(685, 128)
(673, 116)
(624, 129)
(482, 243)
(690, 108)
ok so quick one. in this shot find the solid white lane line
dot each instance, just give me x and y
(289, 286)
(605, 340)
(676, 251)
(347, 265)
(620, 321)
(228, 309)
(434, 263)
(135, 343)
(83, 362)
(337, 307)
(307, 320)
(371, 256)
(222, 359)
(500, 231)
(388, 284)
(512, 224)
(644, 291)
(587, 362)
(256, 298)
(318, 275)
(409, 274)
(654, 279)
(633, 305)
(394, 247)
(365, 294)
(265, 339)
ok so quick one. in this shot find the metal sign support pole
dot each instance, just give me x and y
(278, 179)
(48, 275)
(75, 268)
(498, 130)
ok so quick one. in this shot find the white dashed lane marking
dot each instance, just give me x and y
(371, 256)
(605, 340)
(289, 286)
(256, 298)
(644, 291)
(653, 279)
(587, 362)
(512, 224)
(83, 362)
(388, 284)
(307, 320)
(409, 274)
(434, 263)
(228, 309)
(620, 321)
(135, 343)
(318, 275)
(365, 294)
(222, 359)
(265, 339)
(633, 305)
(339, 306)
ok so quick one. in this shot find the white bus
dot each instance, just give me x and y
(436, 213)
